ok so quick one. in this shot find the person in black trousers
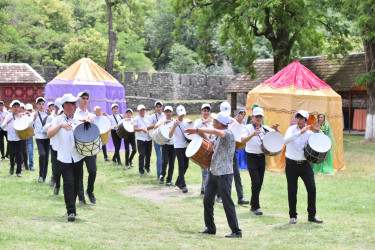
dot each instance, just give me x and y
(116, 120)
(3, 133)
(129, 141)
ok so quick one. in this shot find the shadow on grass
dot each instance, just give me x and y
(59, 219)
(298, 226)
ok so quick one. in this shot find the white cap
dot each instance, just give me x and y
(180, 110)
(206, 105)
(258, 111)
(114, 105)
(29, 106)
(168, 108)
(2, 102)
(22, 105)
(39, 99)
(225, 108)
(96, 107)
(50, 103)
(68, 98)
(223, 118)
(140, 106)
(58, 102)
(86, 92)
(129, 109)
(15, 102)
(158, 102)
(303, 113)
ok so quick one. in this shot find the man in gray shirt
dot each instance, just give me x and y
(220, 176)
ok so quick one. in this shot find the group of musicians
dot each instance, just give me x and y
(54, 130)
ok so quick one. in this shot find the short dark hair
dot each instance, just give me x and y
(300, 116)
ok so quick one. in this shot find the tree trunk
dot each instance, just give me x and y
(112, 40)
(281, 47)
(369, 47)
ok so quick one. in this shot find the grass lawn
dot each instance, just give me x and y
(134, 212)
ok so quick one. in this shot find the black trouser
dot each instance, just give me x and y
(144, 151)
(293, 170)
(183, 165)
(117, 143)
(43, 149)
(237, 178)
(71, 173)
(130, 140)
(91, 169)
(256, 164)
(56, 171)
(15, 154)
(168, 156)
(2, 135)
(222, 183)
(25, 156)
(104, 149)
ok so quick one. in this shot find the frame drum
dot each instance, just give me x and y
(161, 135)
(272, 143)
(125, 129)
(21, 125)
(317, 148)
(87, 139)
(200, 151)
(104, 126)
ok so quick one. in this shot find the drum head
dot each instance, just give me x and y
(164, 129)
(128, 126)
(192, 136)
(237, 131)
(194, 146)
(22, 122)
(86, 132)
(103, 124)
(273, 141)
(319, 142)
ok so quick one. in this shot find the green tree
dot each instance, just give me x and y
(182, 59)
(282, 23)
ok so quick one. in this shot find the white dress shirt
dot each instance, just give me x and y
(3, 114)
(114, 121)
(83, 114)
(170, 125)
(65, 144)
(142, 122)
(254, 145)
(49, 122)
(179, 136)
(295, 142)
(12, 134)
(156, 117)
(38, 126)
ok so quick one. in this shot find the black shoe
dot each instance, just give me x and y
(161, 179)
(52, 182)
(40, 180)
(127, 166)
(71, 217)
(131, 164)
(32, 169)
(91, 197)
(11, 171)
(148, 171)
(2, 159)
(119, 163)
(316, 220)
(26, 167)
(242, 201)
(19, 175)
(185, 190)
(207, 231)
(82, 202)
(219, 200)
(202, 192)
(293, 221)
(234, 235)
(56, 191)
(169, 184)
(178, 185)
(114, 161)
(141, 174)
(106, 159)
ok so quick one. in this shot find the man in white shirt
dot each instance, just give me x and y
(169, 154)
(3, 133)
(204, 122)
(295, 139)
(42, 142)
(129, 140)
(180, 145)
(158, 115)
(115, 120)
(14, 141)
(70, 161)
(142, 123)
(82, 113)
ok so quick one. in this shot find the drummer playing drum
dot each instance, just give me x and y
(297, 166)
(115, 120)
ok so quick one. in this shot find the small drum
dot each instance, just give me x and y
(272, 143)
(151, 133)
(104, 126)
(125, 129)
(87, 139)
(191, 137)
(161, 134)
(240, 146)
(200, 151)
(317, 148)
(237, 131)
(21, 125)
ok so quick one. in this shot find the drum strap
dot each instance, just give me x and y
(43, 121)
(143, 122)
(114, 116)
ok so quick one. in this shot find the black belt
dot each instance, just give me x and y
(297, 162)
(261, 154)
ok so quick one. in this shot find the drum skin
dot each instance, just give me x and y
(124, 129)
(317, 148)
(87, 139)
(104, 126)
(21, 126)
(161, 135)
(272, 143)
(200, 151)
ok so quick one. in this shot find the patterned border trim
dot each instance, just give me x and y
(294, 111)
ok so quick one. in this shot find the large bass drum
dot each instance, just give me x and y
(104, 126)
(161, 134)
(21, 126)
(87, 139)
(124, 129)
(200, 151)
(317, 148)
(272, 143)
